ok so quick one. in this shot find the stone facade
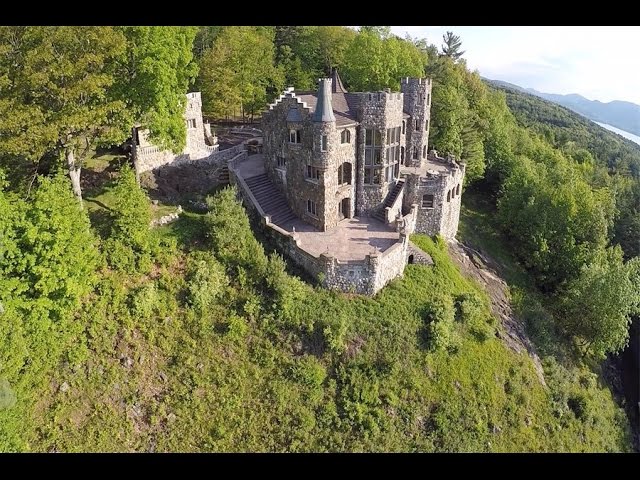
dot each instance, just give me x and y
(436, 189)
(148, 156)
(335, 155)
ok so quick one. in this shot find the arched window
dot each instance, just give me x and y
(344, 174)
(345, 136)
(458, 190)
(424, 151)
(402, 155)
(404, 126)
(426, 125)
(417, 124)
(415, 153)
(449, 196)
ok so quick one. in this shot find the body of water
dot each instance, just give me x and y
(630, 136)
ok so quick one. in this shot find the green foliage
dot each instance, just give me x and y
(439, 317)
(7, 395)
(598, 303)
(153, 77)
(237, 70)
(130, 240)
(375, 60)
(206, 282)
(451, 46)
(58, 79)
(473, 312)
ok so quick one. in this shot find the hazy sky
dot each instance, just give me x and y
(600, 63)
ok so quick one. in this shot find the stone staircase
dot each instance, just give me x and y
(272, 202)
(391, 197)
(223, 175)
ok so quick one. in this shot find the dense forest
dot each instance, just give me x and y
(115, 336)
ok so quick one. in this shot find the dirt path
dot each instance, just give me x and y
(486, 271)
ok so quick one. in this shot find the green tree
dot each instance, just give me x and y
(376, 60)
(129, 243)
(59, 78)
(238, 71)
(153, 78)
(598, 304)
(451, 46)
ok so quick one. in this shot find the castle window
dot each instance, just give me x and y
(372, 155)
(458, 190)
(191, 123)
(420, 99)
(311, 207)
(448, 195)
(344, 174)
(404, 127)
(424, 151)
(427, 201)
(415, 153)
(396, 171)
(294, 136)
(426, 125)
(417, 124)
(312, 173)
(428, 98)
(282, 162)
(402, 155)
(323, 143)
(345, 136)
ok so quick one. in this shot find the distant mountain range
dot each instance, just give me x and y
(623, 115)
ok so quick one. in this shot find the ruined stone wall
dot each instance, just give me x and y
(187, 176)
(147, 156)
(417, 103)
(378, 110)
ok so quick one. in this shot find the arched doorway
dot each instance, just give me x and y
(344, 208)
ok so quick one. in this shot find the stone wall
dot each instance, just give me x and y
(187, 176)
(147, 156)
(365, 276)
(446, 188)
(417, 103)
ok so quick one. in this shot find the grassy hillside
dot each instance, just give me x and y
(215, 350)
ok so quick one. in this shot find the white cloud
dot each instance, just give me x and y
(597, 62)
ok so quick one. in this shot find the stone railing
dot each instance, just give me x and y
(396, 208)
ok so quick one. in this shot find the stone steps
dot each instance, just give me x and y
(223, 175)
(391, 198)
(271, 200)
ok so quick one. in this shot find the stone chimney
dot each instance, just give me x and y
(324, 109)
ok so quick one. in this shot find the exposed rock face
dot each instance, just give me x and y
(486, 271)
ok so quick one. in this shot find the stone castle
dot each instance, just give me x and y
(342, 181)
(338, 155)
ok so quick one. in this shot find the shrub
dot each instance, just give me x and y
(206, 282)
(471, 311)
(144, 301)
(309, 371)
(130, 226)
(439, 318)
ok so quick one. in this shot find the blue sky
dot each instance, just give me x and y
(600, 63)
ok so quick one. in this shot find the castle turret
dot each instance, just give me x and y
(324, 109)
(417, 104)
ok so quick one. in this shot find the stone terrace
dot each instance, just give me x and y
(352, 239)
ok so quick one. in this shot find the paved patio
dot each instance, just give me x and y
(352, 239)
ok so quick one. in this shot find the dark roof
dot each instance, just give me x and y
(336, 83)
(344, 105)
